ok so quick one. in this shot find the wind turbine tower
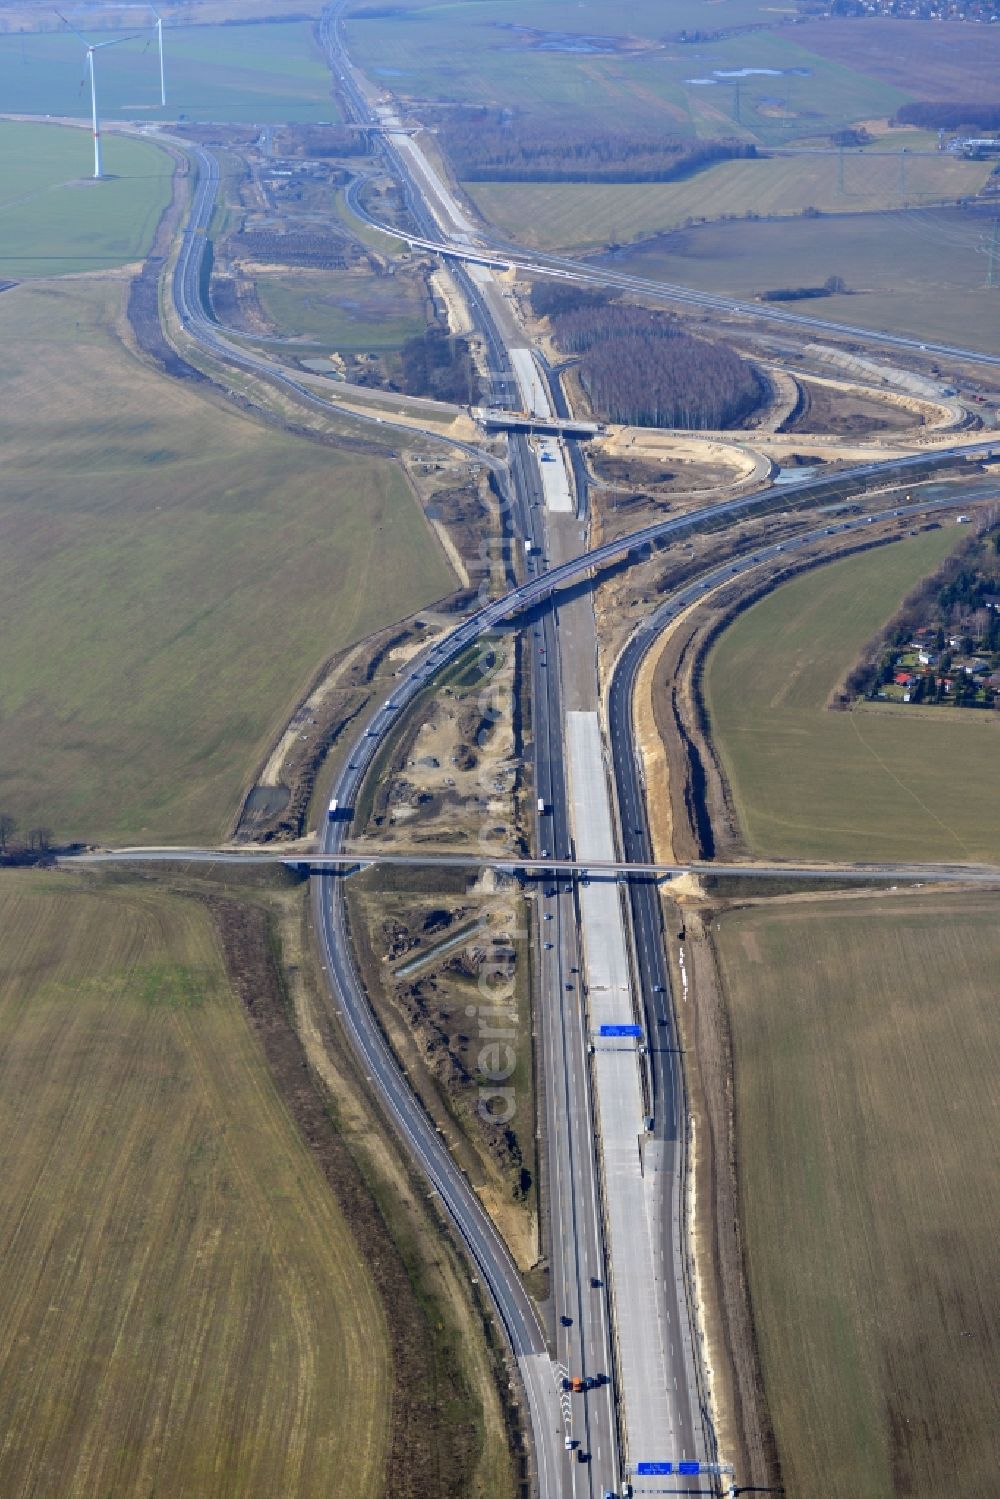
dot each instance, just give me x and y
(163, 76)
(93, 47)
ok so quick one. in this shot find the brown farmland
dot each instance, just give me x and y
(937, 61)
(866, 1095)
(183, 1309)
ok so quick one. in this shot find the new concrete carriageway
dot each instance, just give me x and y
(640, 1174)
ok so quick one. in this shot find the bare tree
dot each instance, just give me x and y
(8, 827)
(40, 838)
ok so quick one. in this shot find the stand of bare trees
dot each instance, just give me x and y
(34, 848)
(639, 367)
(492, 145)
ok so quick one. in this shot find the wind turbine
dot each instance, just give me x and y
(93, 47)
(159, 38)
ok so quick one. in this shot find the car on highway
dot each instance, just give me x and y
(548, 946)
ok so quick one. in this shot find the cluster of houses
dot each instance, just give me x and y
(934, 667)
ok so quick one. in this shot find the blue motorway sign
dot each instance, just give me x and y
(653, 1470)
(621, 1030)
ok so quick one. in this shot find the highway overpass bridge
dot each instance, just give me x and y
(545, 426)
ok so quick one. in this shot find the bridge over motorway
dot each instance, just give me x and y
(348, 860)
(548, 426)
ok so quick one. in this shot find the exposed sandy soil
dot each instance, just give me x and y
(432, 951)
(729, 456)
(459, 781)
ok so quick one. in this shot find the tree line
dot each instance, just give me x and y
(832, 286)
(35, 847)
(492, 145)
(949, 116)
(640, 368)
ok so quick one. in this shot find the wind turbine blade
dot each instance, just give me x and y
(72, 28)
(96, 46)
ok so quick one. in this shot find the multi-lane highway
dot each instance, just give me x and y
(580, 1334)
(582, 1456)
(488, 250)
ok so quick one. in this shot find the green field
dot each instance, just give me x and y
(171, 575)
(921, 273)
(349, 312)
(262, 74)
(866, 1098)
(468, 53)
(183, 1309)
(874, 783)
(54, 218)
(549, 216)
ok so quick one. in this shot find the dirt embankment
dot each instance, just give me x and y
(143, 307)
(701, 817)
(743, 1424)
